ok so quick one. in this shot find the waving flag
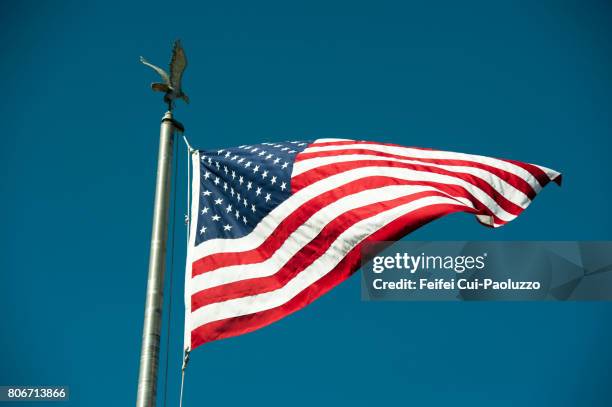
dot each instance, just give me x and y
(276, 225)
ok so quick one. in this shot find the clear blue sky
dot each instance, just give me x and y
(80, 131)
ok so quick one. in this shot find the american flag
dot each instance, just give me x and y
(276, 225)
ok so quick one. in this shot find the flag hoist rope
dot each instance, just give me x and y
(190, 151)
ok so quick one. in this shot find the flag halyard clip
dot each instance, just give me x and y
(191, 149)
(183, 368)
(185, 359)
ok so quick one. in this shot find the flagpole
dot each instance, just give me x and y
(149, 356)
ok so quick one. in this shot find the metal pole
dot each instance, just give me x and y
(149, 356)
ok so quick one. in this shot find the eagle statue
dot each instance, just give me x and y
(171, 84)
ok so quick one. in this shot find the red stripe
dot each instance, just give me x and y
(304, 257)
(288, 225)
(239, 325)
(534, 170)
(512, 179)
(300, 181)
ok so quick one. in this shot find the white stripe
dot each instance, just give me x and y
(516, 196)
(304, 234)
(316, 270)
(436, 154)
(551, 174)
(267, 226)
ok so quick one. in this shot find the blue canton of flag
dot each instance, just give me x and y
(240, 186)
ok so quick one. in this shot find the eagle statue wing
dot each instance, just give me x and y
(177, 65)
(157, 69)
